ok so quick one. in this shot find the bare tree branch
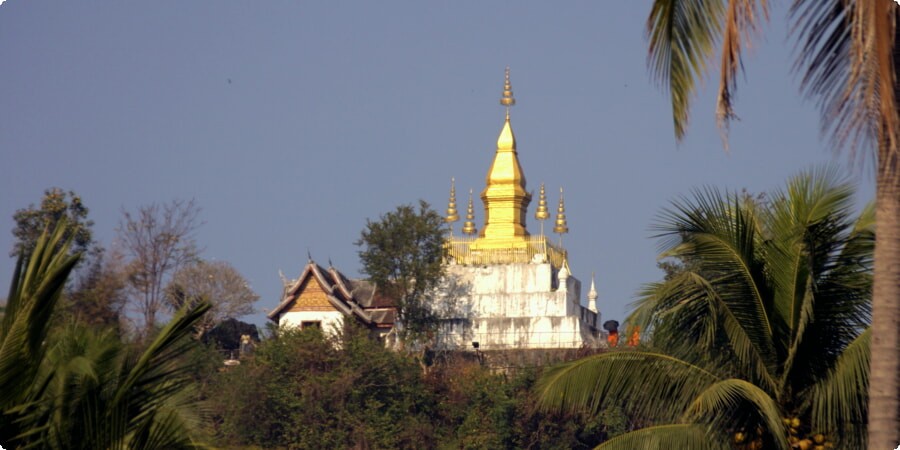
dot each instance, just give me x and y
(159, 240)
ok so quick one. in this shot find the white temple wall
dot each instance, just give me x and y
(515, 290)
(329, 320)
(516, 333)
(515, 306)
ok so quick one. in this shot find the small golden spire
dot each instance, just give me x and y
(542, 212)
(507, 99)
(452, 215)
(561, 226)
(469, 225)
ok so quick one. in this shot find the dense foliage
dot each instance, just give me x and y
(56, 205)
(760, 339)
(307, 389)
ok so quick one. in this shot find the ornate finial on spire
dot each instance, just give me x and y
(452, 215)
(561, 226)
(542, 213)
(507, 99)
(309, 255)
(469, 225)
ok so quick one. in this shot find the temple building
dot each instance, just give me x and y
(324, 298)
(520, 292)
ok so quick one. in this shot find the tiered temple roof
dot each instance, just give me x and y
(358, 298)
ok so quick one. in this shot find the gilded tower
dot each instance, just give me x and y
(517, 287)
(504, 237)
(504, 195)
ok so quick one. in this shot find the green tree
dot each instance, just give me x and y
(403, 254)
(56, 205)
(769, 322)
(847, 52)
(95, 295)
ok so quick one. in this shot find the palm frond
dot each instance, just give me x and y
(33, 294)
(682, 35)
(723, 401)
(807, 225)
(807, 228)
(847, 61)
(741, 25)
(719, 234)
(677, 315)
(665, 437)
(94, 394)
(654, 386)
(156, 361)
(839, 401)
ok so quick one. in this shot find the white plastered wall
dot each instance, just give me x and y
(516, 306)
(331, 320)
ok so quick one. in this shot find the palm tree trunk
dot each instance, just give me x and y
(884, 378)
(884, 372)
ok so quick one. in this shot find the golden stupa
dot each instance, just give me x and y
(505, 238)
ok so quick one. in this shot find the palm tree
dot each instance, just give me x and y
(35, 289)
(765, 322)
(79, 389)
(849, 58)
(101, 393)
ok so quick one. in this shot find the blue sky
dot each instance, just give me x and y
(291, 123)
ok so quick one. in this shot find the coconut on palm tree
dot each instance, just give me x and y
(849, 58)
(759, 341)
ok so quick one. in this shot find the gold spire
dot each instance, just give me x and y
(504, 237)
(505, 198)
(542, 212)
(506, 142)
(469, 225)
(561, 226)
(452, 215)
